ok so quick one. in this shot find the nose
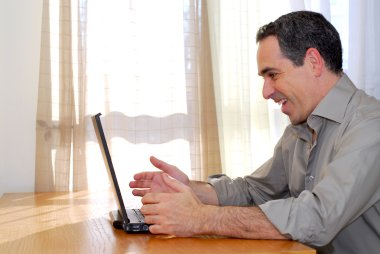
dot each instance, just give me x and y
(268, 89)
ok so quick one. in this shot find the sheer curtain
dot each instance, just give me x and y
(249, 126)
(61, 126)
(145, 65)
(363, 47)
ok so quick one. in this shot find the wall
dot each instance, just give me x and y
(20, 28)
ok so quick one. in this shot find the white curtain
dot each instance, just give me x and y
(248, 125)
(145, 65)
(149, 73)
(137, 79)
(363, 48)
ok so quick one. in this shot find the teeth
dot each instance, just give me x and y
(282, 101)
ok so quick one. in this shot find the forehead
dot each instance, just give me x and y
(269, 55)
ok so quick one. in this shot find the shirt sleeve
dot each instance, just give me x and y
(267, 183)
(349, 185)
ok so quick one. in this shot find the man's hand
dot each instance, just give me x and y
(173, 206)
(178, 213)
(153, 182)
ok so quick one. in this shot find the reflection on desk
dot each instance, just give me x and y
(79, 223)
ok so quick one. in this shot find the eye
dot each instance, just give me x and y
(273, 75)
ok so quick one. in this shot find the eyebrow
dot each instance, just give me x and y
(266, 70)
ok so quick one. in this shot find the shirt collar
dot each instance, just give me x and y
(333, 106)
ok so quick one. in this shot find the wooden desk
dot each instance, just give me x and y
(79, 223)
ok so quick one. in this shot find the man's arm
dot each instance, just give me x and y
(182, 213)
(240, 222)
(205, 192)
(173, 204)
(234, 221)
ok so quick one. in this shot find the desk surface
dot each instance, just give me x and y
(79, 223)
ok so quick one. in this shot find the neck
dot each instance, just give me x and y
(327, 81)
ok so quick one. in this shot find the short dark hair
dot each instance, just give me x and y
(298, 31)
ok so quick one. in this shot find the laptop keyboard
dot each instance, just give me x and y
(139, 215)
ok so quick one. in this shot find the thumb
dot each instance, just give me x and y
(166, 167)
(174, 184)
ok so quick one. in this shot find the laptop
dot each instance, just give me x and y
(129, 220)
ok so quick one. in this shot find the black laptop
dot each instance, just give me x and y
(130, 220)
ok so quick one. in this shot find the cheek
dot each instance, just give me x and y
(299, 88)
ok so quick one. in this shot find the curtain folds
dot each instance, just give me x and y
(249, 126)
(60, 139)
(146, 66)
(209, 135)
(364, 39)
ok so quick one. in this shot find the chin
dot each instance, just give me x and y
(295, 121)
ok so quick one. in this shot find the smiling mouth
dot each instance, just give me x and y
(281, 102)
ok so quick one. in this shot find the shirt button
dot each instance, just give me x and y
(310, 179)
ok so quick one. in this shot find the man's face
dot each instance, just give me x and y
(288, 85)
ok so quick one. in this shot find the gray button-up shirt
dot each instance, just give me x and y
(324, 193)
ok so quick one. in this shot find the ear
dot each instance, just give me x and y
(315, 61)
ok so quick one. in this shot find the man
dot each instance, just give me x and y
(322, 185)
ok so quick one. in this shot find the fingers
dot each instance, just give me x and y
(150, 175)
(149, 199)
(140, 188)
(158, 181)
(161, 165)
(144, 175)
(156, 229)
(140, 184)
(174, 184)
(154, 213)
(150, 214)
(166, 167)
(140, 193)
(162, 213)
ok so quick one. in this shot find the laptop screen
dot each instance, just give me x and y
(108, 163)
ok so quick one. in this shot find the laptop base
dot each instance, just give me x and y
(116, 219)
